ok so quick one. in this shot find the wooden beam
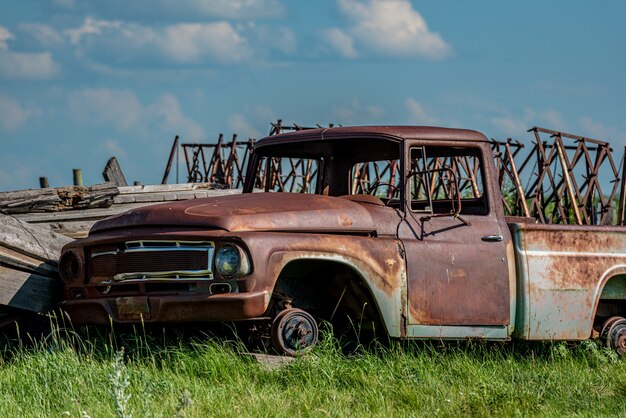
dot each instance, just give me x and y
(59, 199)
(33, 240)
(28, 291)
(113, 173)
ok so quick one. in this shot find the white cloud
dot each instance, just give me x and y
(91, 26)
(341, 42)
(281, 39)
(181, 43)
(16, 65)
(123, 111)
(191, 42)
(240, 125)
(175, 11)
(356, 113)
(12, 114)
(510, 126)
(113, 148)
(170, 118)
(5, 35)
(46, 35)
(38, 66)
(417, 113)
(253, 122)
(598, 130)
(232, 9)
(516, 125)
(387, 27)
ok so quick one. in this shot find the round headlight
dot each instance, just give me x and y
(227, 261)
(70, 266)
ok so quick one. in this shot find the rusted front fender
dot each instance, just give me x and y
(378, 262)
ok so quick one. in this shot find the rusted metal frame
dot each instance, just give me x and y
(277, 174)
(555, 196)
(306, 175)
(215, 159)
(355, 178)
(622, 194)
(544, 164)
(579, 202)
(230, 162)
(572, 136)
(247, 156)
(471, 170)
(237, 168)
(170, 160)
(568, 181)
(433, 179)
(203, 163)
(293, 174)
(605, 203)
(593, 185)
(590, 168)
(394, 171)
(290, 178)
(193, 166)
(516, 181)
(364, 178)
(377, 176)
(187, 163)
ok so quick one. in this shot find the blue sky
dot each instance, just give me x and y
(81, 81)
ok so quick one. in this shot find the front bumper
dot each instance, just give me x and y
(148, 309)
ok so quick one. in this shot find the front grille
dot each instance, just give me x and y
(151, 260)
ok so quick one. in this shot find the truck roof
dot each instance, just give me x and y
(398, 133)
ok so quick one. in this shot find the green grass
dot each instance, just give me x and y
(147, 375)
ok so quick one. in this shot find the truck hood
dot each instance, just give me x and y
(261, 212)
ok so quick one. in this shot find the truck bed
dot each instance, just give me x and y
(562, 271)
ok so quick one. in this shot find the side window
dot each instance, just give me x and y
(377, 178)
(283, 174)
(437, 174)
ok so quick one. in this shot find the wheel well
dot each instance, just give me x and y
(330, 291)
(612, 300)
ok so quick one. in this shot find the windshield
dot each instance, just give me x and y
(337, 167)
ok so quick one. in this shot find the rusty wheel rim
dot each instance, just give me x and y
(604, 332)
(617, 337)
(294, 332)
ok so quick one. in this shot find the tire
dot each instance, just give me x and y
(616, 337)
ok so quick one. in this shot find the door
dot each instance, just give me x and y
(457, 270)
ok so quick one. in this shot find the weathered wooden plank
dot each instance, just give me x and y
(30, 239)
(13, 259)
(59, 199)
(29, 291)
(113, 173)
(160, 188)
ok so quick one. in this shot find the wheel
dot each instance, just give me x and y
(607, 325)
(616, 337)
(294, 332)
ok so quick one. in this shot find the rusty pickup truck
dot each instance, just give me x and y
(399, 230)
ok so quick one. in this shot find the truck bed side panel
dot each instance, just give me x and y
(562, 270)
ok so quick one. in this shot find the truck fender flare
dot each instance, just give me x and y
(280, 259)
(608, 275)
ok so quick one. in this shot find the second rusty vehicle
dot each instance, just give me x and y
(394, 229)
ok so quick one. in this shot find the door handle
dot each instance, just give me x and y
(492, 238)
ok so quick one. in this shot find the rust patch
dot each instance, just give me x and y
(378, 260)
